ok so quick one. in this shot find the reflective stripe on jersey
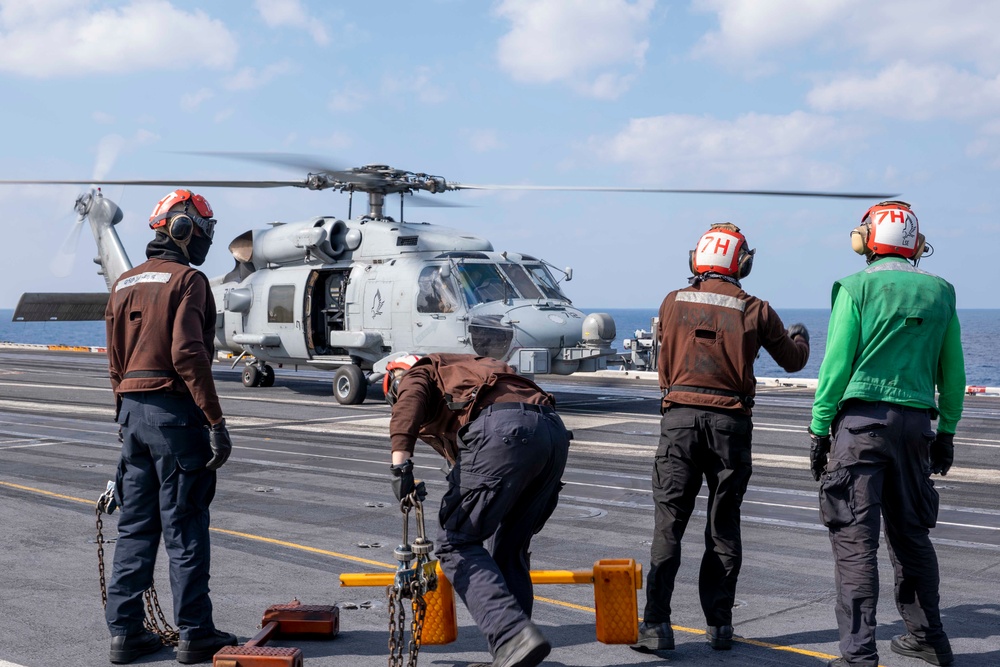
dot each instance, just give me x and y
(711, 299)
(148, 277)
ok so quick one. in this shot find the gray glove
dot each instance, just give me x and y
(799, 330)
(221, 444)
(818, 450)
(942, 453)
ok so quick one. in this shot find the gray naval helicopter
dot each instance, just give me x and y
(350, 295)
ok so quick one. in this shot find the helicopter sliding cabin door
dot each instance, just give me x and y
(327, 310)
(284, 317)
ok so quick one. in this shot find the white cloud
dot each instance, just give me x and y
(920, 31)
(338, 141)
(594, 46)
(290, 13)
(348, 99)
(482, 141)
(191, 101)
(111, 146)
(418, 83)
(60, 38)
(102, 117)
(249, 78)
(752, 151)
(911, 92)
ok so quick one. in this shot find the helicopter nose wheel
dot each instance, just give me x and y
(255, 375)
(350, 387)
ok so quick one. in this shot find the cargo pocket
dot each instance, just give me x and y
(468, 503)
(928, 503)
(836, 498)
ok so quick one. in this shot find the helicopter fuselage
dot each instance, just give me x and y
(326, 292)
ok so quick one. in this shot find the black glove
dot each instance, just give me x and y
(221, 444)
(798, 330)
(942, 453)
(402, 479)
(403, 483)
(818, 450)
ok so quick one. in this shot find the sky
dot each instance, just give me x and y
(898, 97)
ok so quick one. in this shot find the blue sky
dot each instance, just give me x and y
(896, 96)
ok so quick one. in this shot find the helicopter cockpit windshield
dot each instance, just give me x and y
(483, 282)
(545, 281)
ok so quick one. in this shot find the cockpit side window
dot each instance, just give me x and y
(436, 294)
(521, 281)
(545, 282)
(482, 283)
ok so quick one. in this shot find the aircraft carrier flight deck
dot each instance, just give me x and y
(306, 497)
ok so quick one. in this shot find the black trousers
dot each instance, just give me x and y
(503, 488)
(698, 443)
(880, 468)
(163, 488)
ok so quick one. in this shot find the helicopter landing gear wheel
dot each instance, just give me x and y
(350, 387)
(251, 376)
(267, 376)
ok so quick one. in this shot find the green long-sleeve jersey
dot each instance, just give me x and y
(894, 336)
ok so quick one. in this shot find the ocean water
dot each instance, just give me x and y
(979, 331)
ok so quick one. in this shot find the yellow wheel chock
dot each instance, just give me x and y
(615, 583)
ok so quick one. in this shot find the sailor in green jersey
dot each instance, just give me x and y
(894, 340)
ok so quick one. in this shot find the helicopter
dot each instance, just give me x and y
(349, 295)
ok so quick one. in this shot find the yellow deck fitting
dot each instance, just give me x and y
(615, 584)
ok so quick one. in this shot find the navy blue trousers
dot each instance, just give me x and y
(698, 443)
(163, 488)
(880, 469)
(503, 488)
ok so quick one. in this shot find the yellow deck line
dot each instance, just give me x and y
(375, 563)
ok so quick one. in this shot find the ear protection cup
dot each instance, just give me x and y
(746, 262)
(921, 247)
(859, 239)
(390, 386)
(180, 228)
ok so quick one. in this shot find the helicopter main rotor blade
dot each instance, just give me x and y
(194, 183)
(423, 201)
(769, 193)
(310, 163)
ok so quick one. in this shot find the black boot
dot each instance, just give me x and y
(128, 648)
(654, 637)
(190, 651)
(912, 647)
(525, 649)
(720, 637)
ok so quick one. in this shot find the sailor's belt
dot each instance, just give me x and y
(525, 407)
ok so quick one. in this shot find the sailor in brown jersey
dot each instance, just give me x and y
(710, 334)
(508, 450)
(160, 325)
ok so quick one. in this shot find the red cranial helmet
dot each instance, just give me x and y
(394, 371)
(722, 249)
(888, 228)
(179, 212)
